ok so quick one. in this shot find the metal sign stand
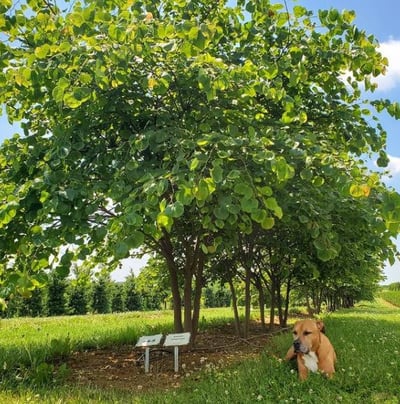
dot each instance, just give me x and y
(177, 340)
(146, 342)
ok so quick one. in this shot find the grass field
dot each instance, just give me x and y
(366, 338)
(391, 296)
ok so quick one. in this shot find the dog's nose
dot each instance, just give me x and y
(296, 345)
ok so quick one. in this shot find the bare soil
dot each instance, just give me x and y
(122, 367)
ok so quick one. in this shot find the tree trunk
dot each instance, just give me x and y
(287, 298)
(235, 308)
(310, 309)
(177, 302)
(247, 304)
(167, 252)
(197, 296)
(273, 305)
(261, 303)
(187, 301)
(279, 301)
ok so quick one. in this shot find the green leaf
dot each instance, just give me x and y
(318, 181)
(303, 219)
(76, 19)
(383, 159)
(5, 5)
(265, 190)
(36, 230)
(63, 271)
(65, 259)
(165, 221)
(221, 212)
(348, 16)
(248, 205)
(99, 234)
(243, 189)
(271, 71)
(116, 33)
(306, 174)
(135, 240)
(333, 15)
(303, 117)
(288, 117)
(64, 47)
(282, 170)
(250, 7)
(321, 243)
(204, 248)
(133, 219)
(59, 89)
(194, 164)
(202, 191)
(358, 191)
(234, 174)
(184, 195)
(299, 11)
(71, 101)
(268, 223)
(203, 142)
(82, 93)
(121, 250)
(258, 215)
(175, 210)
(217, 173)
(41, 52)
(324, 255)
(394, 109)
(77, 97)
(272, 204)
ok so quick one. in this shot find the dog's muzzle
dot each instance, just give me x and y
(299, 347)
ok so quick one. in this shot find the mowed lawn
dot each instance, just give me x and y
(366, 338)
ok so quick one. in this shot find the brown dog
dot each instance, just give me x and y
(312, 348)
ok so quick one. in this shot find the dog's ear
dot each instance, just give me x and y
(321, 326)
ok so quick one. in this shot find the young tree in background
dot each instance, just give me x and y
(56, 296)
(33, 306)
(117, 297)
(101, 295)
(132, 298)
(78, 298)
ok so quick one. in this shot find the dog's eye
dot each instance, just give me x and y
(307, 332)
(294, 332)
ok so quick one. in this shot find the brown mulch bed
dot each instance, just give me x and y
(122, 367)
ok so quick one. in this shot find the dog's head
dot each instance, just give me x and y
(306, 334)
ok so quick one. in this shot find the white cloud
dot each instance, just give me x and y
(390, 50)
(393, 172)
(394, 165)
(128, 266)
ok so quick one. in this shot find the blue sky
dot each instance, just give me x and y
(382, 19)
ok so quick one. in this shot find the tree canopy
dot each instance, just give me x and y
(177, 126)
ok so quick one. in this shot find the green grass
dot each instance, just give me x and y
(31, 341)
(392, 296)
(367, 341)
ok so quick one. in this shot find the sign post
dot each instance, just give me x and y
(146, 342)
(177, 340)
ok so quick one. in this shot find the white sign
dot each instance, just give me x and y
(149, 340)
(182, 338)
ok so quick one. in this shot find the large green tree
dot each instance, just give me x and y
(166, 124)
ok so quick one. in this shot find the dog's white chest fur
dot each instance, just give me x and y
(311, 361)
